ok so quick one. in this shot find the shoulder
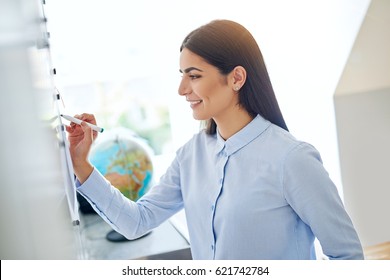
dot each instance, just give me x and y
(299, 159)
(286, 143)
(282, 148)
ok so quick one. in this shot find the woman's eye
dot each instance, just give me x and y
(193, 77)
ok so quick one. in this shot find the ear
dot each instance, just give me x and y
(238, 77)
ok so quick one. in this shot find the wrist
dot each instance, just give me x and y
(82, 171)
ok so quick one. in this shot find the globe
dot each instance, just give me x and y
(125, 160)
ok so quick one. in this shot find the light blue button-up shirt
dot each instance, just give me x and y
(261, 194)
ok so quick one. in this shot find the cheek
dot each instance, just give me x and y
(210, 90)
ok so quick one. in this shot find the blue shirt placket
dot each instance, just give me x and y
(222, 159)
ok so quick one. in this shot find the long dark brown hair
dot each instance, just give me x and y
(226, 44)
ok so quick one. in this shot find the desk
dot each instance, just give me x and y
(164, 242)
(378, 252)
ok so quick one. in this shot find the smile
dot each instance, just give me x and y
(193, 103)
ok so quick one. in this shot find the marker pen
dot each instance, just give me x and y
(78, 121)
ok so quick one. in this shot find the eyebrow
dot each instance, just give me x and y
(190, 69)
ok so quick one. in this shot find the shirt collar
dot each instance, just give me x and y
(243, 137)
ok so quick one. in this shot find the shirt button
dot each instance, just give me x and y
(220, 181)
(212, 247)
(212, 207)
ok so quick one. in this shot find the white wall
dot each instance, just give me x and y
(363, 121)
(362, 103)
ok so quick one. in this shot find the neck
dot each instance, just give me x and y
(231, 124)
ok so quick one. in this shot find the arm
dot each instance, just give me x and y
(133, 219)
(314, 197)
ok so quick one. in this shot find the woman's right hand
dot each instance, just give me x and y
(80, 139)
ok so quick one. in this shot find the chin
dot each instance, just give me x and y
(199, 118)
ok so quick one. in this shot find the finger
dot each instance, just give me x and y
(69, 128)
(72, 124)
(88, 118)
(88, 133)
(94, 134)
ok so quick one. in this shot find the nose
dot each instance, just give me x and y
(184, 87)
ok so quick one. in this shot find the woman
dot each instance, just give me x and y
(249, 188)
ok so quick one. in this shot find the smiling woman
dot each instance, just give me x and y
(135, 53)
(230, 77)
(249, 188)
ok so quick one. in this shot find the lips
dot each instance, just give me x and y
(193, 103)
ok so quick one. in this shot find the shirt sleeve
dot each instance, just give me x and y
(314, 197)
(133, 219)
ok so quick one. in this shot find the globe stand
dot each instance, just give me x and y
(115, 236)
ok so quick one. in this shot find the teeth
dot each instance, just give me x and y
(195, 102)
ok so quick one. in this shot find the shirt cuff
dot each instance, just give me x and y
(92, 177)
